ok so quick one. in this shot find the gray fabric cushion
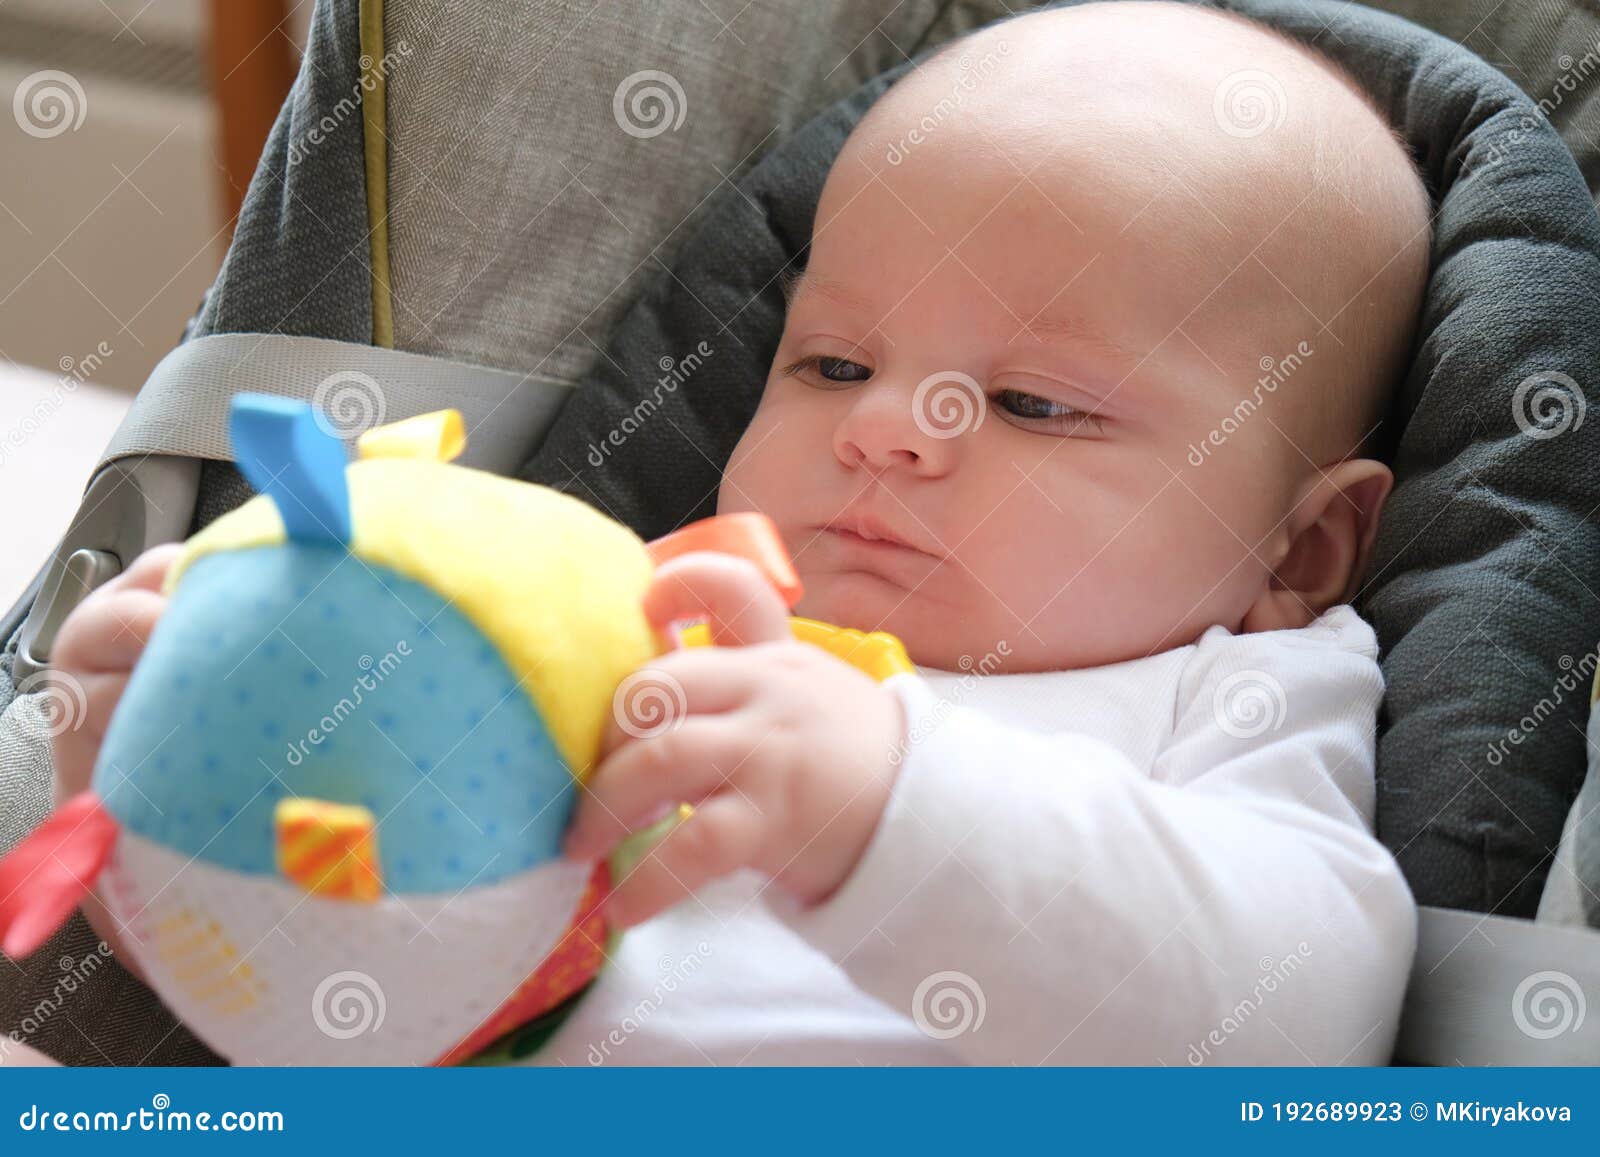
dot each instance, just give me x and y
(1550, 48)
(1480, 580)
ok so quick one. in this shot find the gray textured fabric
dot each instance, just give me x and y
(1550, 48)
(300, 262)
(24, 760)
(525, 216)
(1477, 587)
(299, 258)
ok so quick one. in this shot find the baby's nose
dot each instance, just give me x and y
(919, 428)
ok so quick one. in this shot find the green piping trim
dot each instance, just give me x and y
(375, 147)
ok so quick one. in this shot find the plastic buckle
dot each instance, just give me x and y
(66, 587)
(131, 505)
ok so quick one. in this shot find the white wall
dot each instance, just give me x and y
(108, 233)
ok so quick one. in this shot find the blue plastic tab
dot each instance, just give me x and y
(287, 455)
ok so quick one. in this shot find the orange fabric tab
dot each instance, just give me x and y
(746, 535)
(330, 850)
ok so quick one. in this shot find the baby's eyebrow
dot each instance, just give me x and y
(796, 281)
(1074, 329)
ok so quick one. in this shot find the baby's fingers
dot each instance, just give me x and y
(108, 631)
(680, 765)
(731, 593)
(149, 570)
(723, 834)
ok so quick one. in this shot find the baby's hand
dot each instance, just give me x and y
(784, 751)
(93, 654)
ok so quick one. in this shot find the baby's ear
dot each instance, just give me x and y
(1329, 538)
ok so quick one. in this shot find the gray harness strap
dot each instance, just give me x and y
(183, 408)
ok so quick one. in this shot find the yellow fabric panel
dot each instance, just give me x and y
(438, 437)
(556, 586)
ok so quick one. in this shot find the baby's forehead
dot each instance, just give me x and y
(1114, 191)
(1233, 112)
(1133, 129)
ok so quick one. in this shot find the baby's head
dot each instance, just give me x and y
(1102, 307)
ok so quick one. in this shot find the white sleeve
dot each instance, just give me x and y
(1038, 898)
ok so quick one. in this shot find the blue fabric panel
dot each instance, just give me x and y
(303, 670)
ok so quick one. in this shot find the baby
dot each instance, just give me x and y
(1102, 309)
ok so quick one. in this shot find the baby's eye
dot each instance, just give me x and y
(1033, 412)
(838, 371)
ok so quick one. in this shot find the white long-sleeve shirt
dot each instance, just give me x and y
(1162, 861)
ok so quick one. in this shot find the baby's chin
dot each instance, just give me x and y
(933, 636)
(860, 600)
(941, 637)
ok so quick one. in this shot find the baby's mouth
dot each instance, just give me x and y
(871, 535)
(863, 544)
(869, 542)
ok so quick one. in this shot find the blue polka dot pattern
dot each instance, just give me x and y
(302, 670)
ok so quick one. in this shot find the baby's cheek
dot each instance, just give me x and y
(746, 482)
(1117, 582)
(783, 442)
(1196, 570)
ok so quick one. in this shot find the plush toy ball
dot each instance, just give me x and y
(341, 771)
(327, 813)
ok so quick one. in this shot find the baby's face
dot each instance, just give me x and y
(981, 428)
(1048, 507)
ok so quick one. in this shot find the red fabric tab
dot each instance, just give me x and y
(44, 877)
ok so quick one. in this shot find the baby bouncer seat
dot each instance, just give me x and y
(535, 212)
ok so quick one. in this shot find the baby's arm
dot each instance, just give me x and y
(1235, 909)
